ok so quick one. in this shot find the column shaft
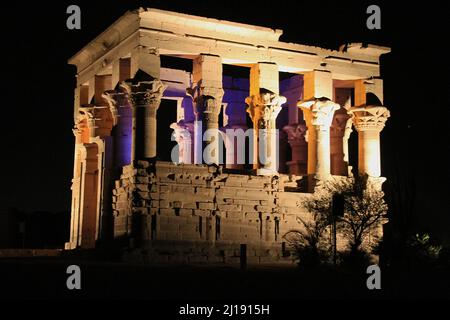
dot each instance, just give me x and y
(318, 116)
(323, 166)
(264, 106)
(145, 99)
(369, 121)
(150, 131)
(207, 94)
(369, 153)
(312, 150)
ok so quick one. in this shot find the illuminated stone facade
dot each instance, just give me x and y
(200, 209)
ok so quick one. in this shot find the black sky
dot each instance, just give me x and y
(37, 85)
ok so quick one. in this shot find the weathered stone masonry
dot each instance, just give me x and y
(200, 210)
(206, 212)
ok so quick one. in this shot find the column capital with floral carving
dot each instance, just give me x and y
(264, 107)
(318, 112)
(369, 118)
(145, 93)
(206, 99)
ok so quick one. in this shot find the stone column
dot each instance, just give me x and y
(76, 185)
(318, 115)
(264, 105)
(369, 121)
(145, 98)
(122, 117)
(299, 146)
(207, 94)
(264, 109)
(87, 224)
(339, 143)
(183, 135)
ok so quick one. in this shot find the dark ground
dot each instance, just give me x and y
(44, 278)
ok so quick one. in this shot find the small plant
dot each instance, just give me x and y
(309, 244)
(422, 250)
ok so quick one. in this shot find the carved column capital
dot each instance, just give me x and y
(370, 118)
(116, 100)
(264, 108)
(145, 93)
(206, 99)
(86, 121)
(318, 112)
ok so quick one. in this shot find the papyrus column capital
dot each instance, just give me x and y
(264, 108)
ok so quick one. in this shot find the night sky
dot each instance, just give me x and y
(38, 84)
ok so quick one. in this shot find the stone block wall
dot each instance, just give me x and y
(197, 213)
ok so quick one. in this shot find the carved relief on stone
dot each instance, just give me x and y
(319, 112)
(370, 117)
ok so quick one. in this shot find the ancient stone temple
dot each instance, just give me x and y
(166, 104)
